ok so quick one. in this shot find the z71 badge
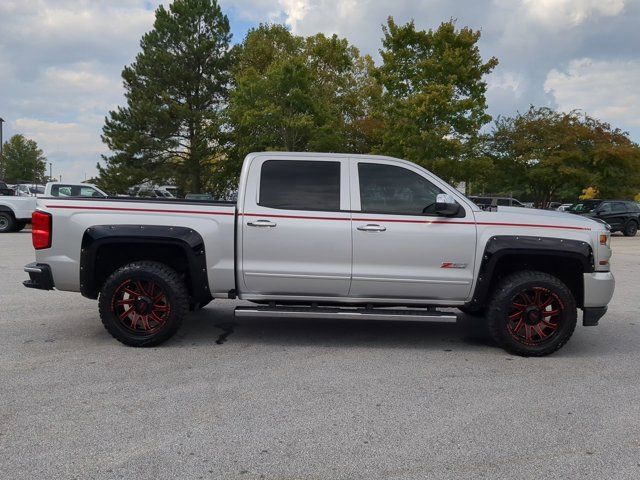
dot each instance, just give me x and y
(453, 265)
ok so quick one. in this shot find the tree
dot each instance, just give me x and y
(175, 90)
(544, 152)
(589, 193)
(297, 94)
(24, 162)
(434, 94)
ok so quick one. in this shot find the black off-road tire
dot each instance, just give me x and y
(501, 307)
(477, 311)
(161, 280)
(631, 229)
(19, 226)
(7, 222)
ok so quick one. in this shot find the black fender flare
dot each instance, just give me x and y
(502, 245)
(187, 239)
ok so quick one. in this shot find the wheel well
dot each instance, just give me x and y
(8, 210)
(112, 256)
(567, 269)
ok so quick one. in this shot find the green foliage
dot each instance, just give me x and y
(23, 161)
(196, 107)
(175, 92)
(297, 94)
(434, 94)
(553, 154)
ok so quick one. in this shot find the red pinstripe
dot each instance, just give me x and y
(307, 217)
(150, 210)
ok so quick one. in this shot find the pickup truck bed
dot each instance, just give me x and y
(320, 232)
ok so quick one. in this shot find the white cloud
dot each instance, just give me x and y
(60, 64)
(295, 11)
(72, 147)
(609, 90)
(562, 12)
(60, 60)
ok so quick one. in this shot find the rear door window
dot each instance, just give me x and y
(618, 207)
(300, 185)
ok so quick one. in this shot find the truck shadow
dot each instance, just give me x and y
(218, 325)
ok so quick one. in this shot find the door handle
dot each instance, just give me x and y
(370, 227)
(262, 223)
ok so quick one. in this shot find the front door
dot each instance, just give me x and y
(401, 248)
(296, 231)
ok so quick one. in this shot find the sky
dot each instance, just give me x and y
(60, 60)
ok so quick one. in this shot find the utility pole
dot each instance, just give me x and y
(50, 170)
(1, 155)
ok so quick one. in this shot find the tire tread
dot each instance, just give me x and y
(496, 315)
(180, 304)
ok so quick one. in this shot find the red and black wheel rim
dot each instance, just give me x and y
(535, 316)
(141, 306)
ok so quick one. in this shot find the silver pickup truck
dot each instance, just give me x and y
(328, 236)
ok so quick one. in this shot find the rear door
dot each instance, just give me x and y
(296, 227)
(613, 213)
(401, 248)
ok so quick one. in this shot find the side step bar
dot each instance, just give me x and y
(401, 315)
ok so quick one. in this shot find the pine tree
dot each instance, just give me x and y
(175, 92)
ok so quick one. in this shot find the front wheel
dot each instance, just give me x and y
(142, 304)
(532, 314)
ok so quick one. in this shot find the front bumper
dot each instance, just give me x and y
(39, 276)
(598, 290)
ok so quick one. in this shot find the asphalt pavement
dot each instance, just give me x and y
(299, 399)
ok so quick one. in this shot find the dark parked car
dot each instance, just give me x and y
(485, 203)
(622, 215)
(5, 190)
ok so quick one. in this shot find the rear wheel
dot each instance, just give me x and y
(631, 229)
(7, 222)
(19, 226)
(142, 304)
(532, 314)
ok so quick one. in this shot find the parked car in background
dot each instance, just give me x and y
(55, 189)
(149, 191)
(153, 193)
(6, 191)
(553, 205)
(172, 189)
(15, 211)
(621, 215)
(198, 196)
(485, 203)
(564, 207)
(28, 190)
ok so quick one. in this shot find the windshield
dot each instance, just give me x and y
(584, 207)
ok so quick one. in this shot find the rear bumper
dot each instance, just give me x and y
(39, 276)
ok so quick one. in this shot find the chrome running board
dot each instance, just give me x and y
(402, 315)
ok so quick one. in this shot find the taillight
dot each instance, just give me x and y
(41, 230)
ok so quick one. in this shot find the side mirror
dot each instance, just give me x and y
(446, 205)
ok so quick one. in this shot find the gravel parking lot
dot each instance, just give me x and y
(310, 400)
